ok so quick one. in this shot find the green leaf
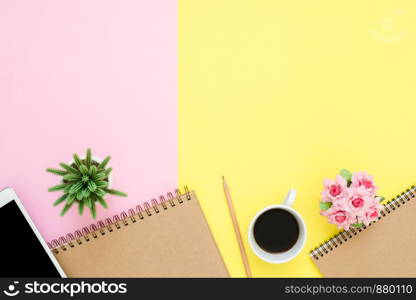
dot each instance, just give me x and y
(76, 187)
(80, 195)
(69, 169)
(66, 208)
(58, 187)
(84, 170)
(346, 174)
(68, 187)
(380, 199)
(88, 202)
(93, 170)
(86, 193)
(72, 177)
(70, 199)
(56, 171)
(104, 162)
(108, 171)
(92, 186)
(80, 207)
(77, 160)
(357, 225)
(102, 202)
(325, 205)
(88, 159)
(102, 184)
(100, 192)
(116, 192)
(60, 200)
(99, 176)
(93, 210)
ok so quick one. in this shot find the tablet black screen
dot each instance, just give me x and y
(21, 253)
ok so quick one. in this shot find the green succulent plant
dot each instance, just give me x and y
(84, 182)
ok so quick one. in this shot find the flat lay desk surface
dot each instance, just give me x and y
(274, 95)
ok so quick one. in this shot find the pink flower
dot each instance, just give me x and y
(345, 205)
(359, 200)
(339, 216)
(372, 213)
(334, 190)
(362, 179)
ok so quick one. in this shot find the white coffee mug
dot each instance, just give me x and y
(282, 257)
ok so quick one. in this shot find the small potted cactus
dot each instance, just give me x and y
(85, 181)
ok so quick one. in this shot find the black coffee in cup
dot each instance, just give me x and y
(276, 230)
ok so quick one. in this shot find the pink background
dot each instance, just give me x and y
(78, 74)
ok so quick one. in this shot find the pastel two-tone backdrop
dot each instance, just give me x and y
(272, 94)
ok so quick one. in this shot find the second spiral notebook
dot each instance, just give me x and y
(166, 238)
(385, 248)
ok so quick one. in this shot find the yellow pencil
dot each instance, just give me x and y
(236, 228)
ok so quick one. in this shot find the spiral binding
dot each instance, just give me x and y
(109, 225)
(344, 236)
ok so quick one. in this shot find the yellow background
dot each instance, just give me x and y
(280, 94)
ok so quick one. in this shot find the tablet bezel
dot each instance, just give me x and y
(8, 195)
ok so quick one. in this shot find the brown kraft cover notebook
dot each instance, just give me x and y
(165, 238)
(385, 248)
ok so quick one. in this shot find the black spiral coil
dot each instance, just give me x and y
(123, 219)
(345, 235)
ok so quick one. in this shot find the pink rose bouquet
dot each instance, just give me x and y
(350, 200)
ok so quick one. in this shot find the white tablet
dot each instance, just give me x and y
(23, 252)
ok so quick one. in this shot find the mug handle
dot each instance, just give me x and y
(290, 198)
